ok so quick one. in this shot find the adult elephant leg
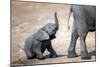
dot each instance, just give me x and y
(84, 52)
(82, 31)
(51, 50)
(71, 49)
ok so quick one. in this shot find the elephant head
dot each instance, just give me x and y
(48, 31)
(51, 28)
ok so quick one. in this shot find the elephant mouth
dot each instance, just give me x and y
(52, 37)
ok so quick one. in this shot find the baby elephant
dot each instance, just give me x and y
(37, 43)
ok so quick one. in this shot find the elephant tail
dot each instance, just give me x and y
(70, 12)
(20, 47)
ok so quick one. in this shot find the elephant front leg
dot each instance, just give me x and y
(53, 54)
(71, 49)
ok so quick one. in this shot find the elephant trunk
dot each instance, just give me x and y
(56, 21)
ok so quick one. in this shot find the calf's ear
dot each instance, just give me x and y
(41, 35)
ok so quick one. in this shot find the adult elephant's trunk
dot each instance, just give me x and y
(56, 20)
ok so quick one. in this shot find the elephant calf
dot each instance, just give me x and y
(37, 43)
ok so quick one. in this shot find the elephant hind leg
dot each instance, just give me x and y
(38, 53)
(29, 54)
(84, 52)
(71, 50)
(83, 31)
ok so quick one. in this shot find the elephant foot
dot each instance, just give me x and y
(53, 56)
(72, 55)
(41, 58)
(85, 56)
(30, 57)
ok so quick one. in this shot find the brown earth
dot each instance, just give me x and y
(28, 17)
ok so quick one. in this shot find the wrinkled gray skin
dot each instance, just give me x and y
(84, 22)
(37, 43)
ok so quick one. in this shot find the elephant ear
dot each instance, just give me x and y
(41, 35)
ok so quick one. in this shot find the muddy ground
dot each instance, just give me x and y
(28, 17)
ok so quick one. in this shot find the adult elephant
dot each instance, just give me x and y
(84, 22)
(38, 42)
